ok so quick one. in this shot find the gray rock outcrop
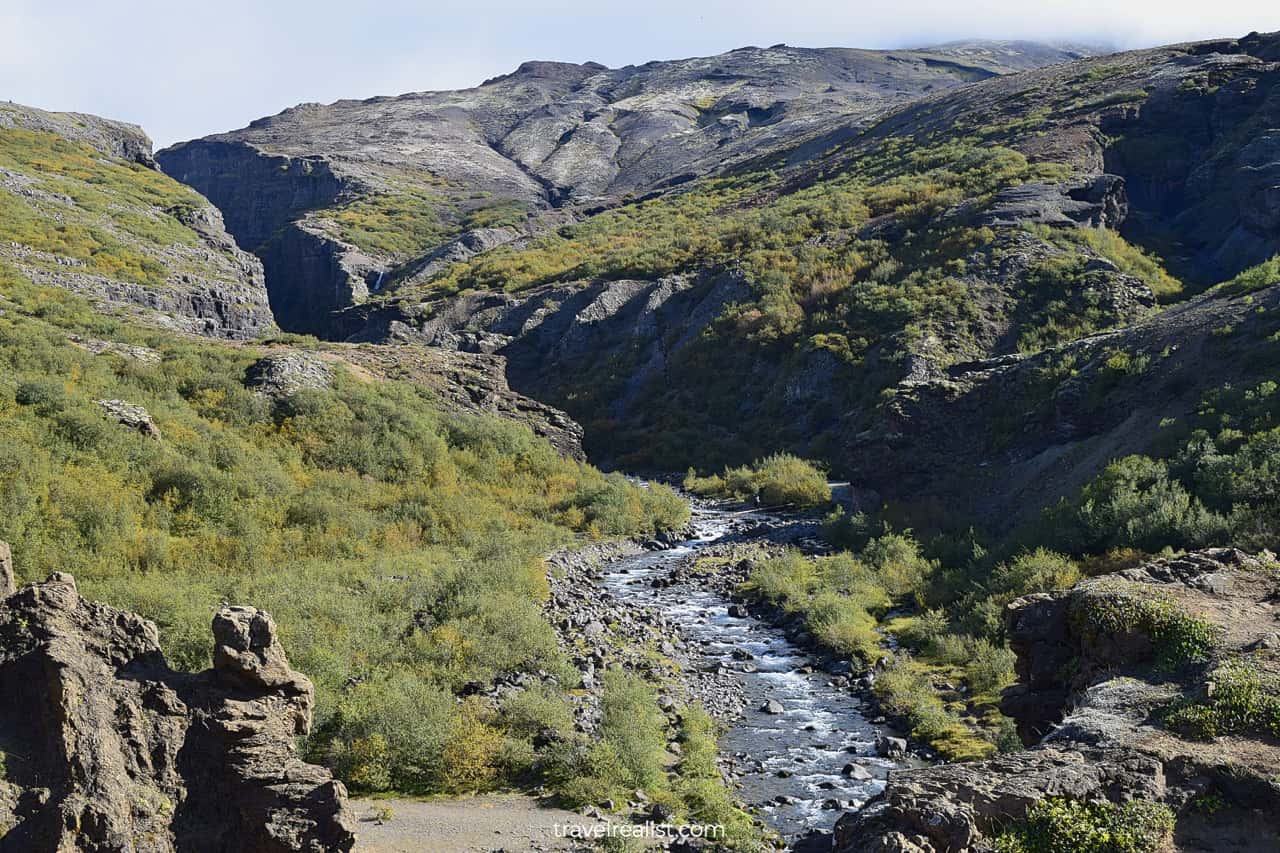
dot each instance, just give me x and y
(281, 375)
(130, 415)
(547, 136)
(108, 749)
(1091, 704)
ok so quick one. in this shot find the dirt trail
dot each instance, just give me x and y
(497, 822)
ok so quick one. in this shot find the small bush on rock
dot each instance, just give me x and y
(1057, 825)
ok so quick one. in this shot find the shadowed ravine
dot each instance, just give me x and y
(789, 764)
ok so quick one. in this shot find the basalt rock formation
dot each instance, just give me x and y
(83, 207)
(106, 748)
(331, 222)
(1094, 700)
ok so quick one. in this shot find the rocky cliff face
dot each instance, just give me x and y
(1110, 673)
(998, 439)
(1189, 128)
(330, 221)
(85, 209)
(1166, 146)
(928, 322)
(106, 748)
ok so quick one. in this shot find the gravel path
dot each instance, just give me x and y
(496, 822)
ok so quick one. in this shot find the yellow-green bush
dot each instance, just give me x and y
(1058, 824)
(778, 480)
(116, 208)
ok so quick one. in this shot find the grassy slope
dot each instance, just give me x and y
(397, 544)
(115, 218)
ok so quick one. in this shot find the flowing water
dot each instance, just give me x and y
(791, 763)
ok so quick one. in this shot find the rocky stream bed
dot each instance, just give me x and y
(802, 744)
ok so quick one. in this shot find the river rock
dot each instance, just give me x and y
(890, 747)
(772, 706)
(856, 771)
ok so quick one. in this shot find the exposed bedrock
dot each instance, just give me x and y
(108, 749)
(1092, 701)
(263, 197)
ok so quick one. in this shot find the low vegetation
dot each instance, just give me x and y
(777, 480)
(1058, 824)
(103, 213)
(1177, 638)
(944, 683)
(1212, 488)
(1245, 699)
(629, 754)
(397, 544)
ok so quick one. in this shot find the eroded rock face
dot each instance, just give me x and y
(1090, 702)
(108, 749)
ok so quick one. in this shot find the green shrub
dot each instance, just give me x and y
(1056, 825)
(838, 596)
(631, 721)
(778, 480)
(850, 531)
(906, 690)
(1245, 699)
(1253, 279)
(1136, 503)
(398, 545)
(1177, 638)
(900, 566)
(700, 788)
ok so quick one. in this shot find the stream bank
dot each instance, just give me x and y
(802, 743)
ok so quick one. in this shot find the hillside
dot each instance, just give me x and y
(862, 293)
(1024, 299)
(340, 200)
(83, 206)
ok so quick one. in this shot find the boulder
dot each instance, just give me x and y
(131, 415)
(856, 771)
(890, 747)
(112, 750)
(281, 375)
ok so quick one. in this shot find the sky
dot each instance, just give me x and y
(183, 69)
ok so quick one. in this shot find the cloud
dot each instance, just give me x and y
(187, 69)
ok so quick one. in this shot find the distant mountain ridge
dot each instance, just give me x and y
(334, 197)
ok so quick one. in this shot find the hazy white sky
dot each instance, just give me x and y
(184, 69)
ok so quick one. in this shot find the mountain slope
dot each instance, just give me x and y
(830, 306)
(82, 206)
(335, 197)
(842, 291)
